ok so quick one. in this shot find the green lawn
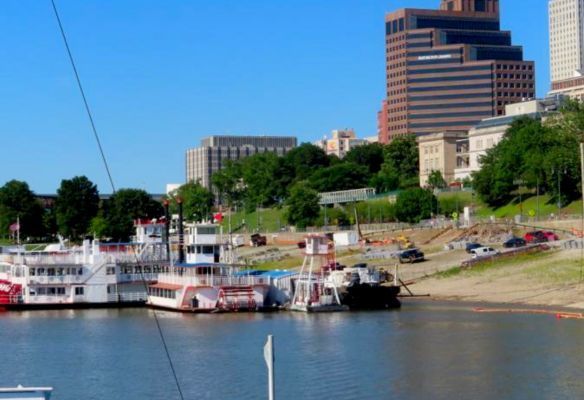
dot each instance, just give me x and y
(269, 219)
(528, 205)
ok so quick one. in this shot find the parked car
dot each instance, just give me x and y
(535, 237)
(472, 245)
(258, 240)
(411, 256)
(483, 252)
(551, 236)
(514, 242)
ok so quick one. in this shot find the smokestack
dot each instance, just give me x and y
(166, 203)
(181, 233)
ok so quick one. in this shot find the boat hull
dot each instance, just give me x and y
(370, 297)
(69, 306)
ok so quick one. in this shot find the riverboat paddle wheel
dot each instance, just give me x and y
(313, 291)
(236, 298)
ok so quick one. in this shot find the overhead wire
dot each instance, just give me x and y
(104, 159)
(87, 109)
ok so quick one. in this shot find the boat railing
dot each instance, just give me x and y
(49, 299)
(52, 259)
(146, 277)
(215, 280)
(121, 297)
(56, 279)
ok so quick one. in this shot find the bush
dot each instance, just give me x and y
(414, 205)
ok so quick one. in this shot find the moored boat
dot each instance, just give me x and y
(91, 275)
(201, 282)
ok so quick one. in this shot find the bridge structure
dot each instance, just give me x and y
(346, 196)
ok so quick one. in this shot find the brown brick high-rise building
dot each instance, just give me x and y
(448, 69)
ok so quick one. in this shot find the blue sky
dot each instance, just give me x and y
(162, 74)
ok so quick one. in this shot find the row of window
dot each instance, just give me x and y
(452, 115)
(512, 85)
(524, 95)
(393, 83)
(450, 78)
(395, 26)
(453, 87)
(55, 271)
(460, 69)
(438, 106)
(434, 62)
(517, 67)
(49, 291)
(395, 38)
(443, 124)
(450, 96)
(469, 24)
(165, 293)
(397, 100)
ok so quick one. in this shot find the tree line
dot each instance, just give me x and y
(534, 157)
(77, 211)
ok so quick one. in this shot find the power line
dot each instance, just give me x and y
(83, 96)
(114, 190)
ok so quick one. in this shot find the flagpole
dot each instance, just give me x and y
(18, 231)
(269, 357)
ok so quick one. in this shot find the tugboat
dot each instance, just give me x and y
(360, 288)
(314, 292)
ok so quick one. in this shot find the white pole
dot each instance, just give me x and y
(269, 357)
(582, 226)
(18, 231)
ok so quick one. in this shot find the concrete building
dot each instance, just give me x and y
(489, 132)
(566, 25)
(341, 143)
(439, 152)
(457, 154)
(202, 162)
(448, 69)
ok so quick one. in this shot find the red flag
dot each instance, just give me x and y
(218, 217)
(14, 227)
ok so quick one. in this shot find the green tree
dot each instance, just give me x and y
(303, 208)
(303, 160)
(400, 169)
(125, 206)
(197, 202)
(369, 155)
(76, 204)
(259, 172)
(18, 201)
(414, 205)
(229, 183)
(344, 176)
(436, 180)
(530, 155)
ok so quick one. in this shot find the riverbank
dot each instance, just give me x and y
(548, 279)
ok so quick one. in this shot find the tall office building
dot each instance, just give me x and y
(566, 20)
(202, 162)
(448, 69)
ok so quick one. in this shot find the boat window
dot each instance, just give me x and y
(78, 291)
(41, 291)
(32, 292)
(51, 271)
(31, 271)
(198, 249)
(80, 271)
(51, 291)
(61, 290)
(208, 250)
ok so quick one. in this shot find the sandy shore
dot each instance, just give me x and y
(551, 279)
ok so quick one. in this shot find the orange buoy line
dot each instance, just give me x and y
(558, 314)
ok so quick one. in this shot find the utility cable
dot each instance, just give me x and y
(83, 96)
(95, 134)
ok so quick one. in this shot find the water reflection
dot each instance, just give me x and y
(424, 351)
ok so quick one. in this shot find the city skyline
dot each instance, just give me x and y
(153, 97)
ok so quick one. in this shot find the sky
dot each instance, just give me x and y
(160, 75)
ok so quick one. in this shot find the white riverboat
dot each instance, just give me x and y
(206, 278)
(93, 274)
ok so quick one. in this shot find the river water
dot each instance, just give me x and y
(426, 350)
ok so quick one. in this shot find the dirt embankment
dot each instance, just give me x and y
(553, 278)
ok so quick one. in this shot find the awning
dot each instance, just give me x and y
(168, 286)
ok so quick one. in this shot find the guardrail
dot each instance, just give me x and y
(510, 253)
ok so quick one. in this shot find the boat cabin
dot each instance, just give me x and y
(202, 244)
